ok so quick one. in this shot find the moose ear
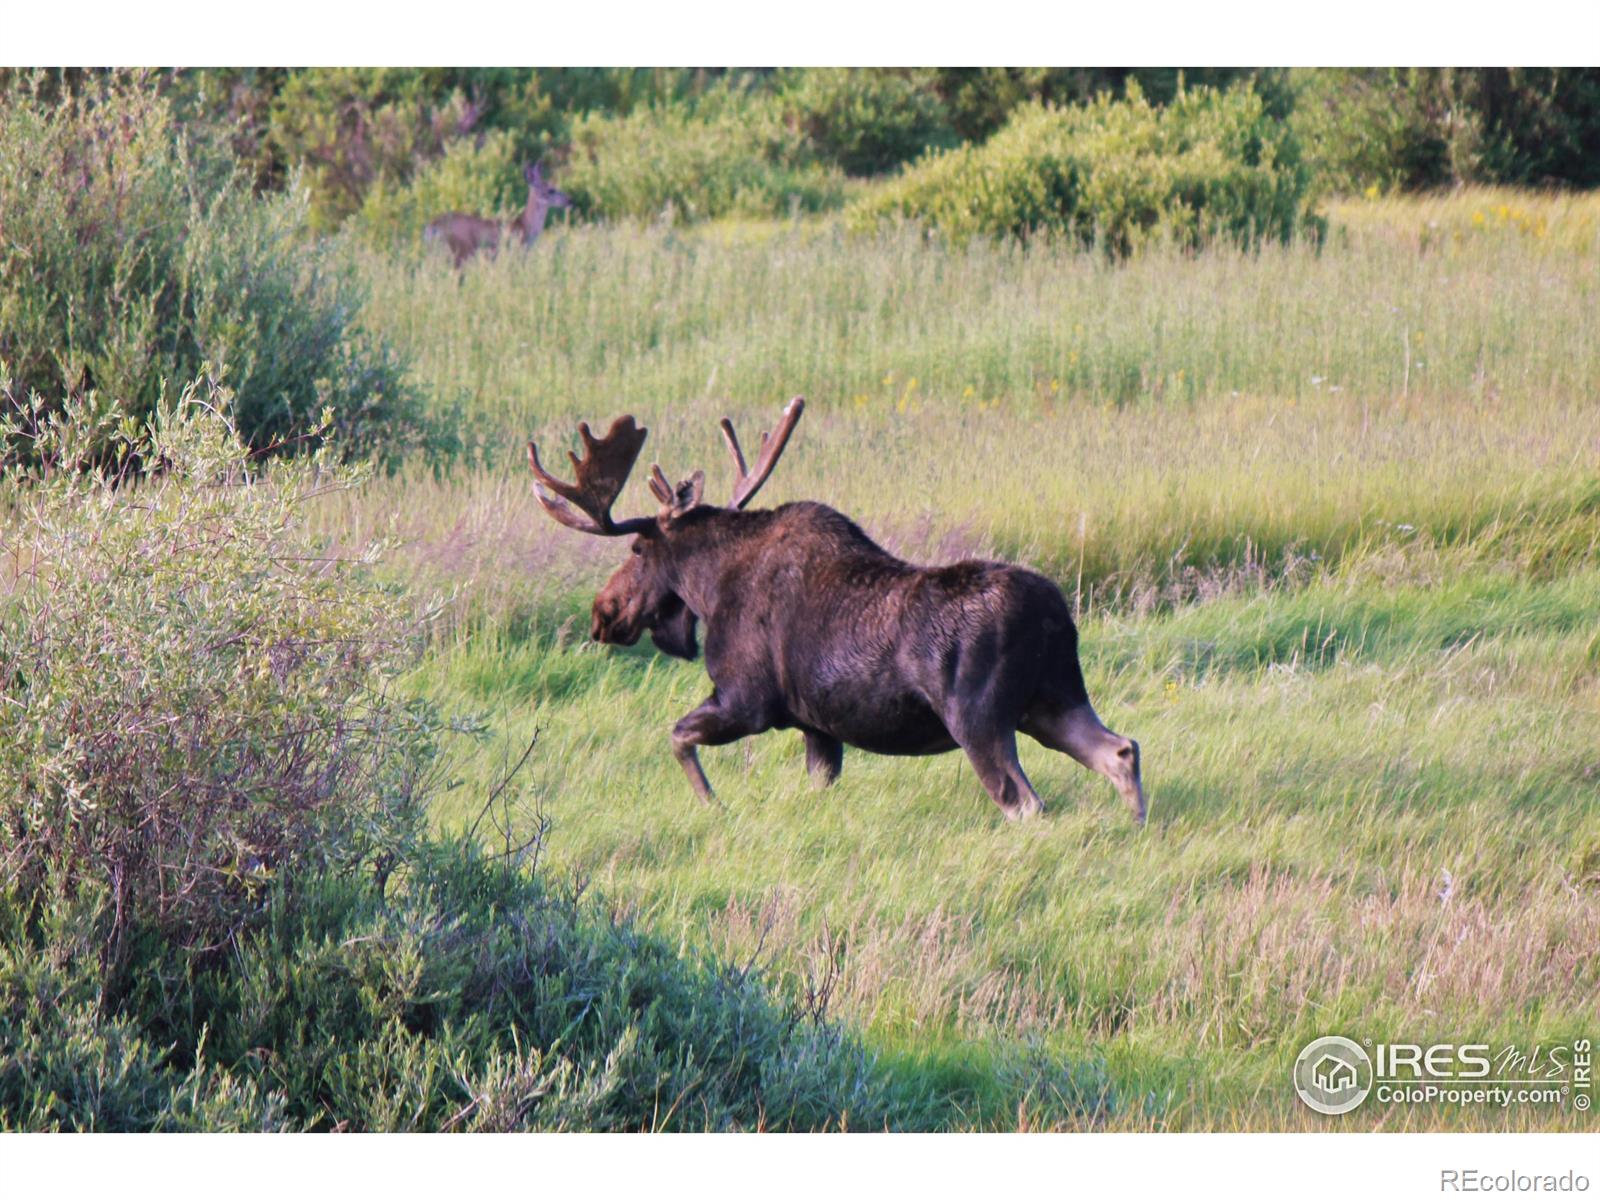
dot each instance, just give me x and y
(689, 493)
(676, 501)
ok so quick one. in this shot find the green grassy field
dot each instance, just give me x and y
(1332, 522)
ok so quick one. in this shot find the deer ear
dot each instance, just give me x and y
(532, 173)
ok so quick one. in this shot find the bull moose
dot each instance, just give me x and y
(810, 625)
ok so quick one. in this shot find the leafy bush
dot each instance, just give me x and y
(469, 998)
(353, 128)
(67, 1063)
(979, 100)
(729, 154)
(1358, 133)
(130, 256)
(867, 121)
(193, 689)
(1211, 164)
(364, 137)
(1415, 127)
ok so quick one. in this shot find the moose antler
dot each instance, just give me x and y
(747, 482)
(600, 473)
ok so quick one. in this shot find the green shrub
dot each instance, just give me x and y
(351, 128)
(67, 1063)
(1211, 164)
(979, 100)
(362, 137)
(729, 154)
(1360, 129)
(193, 687)
(469, 997)
(867, 121)
(1416, 127)
(130, 256)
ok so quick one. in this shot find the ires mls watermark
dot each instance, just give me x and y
(1335, 1075)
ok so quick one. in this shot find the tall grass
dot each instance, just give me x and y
(1331, 520)
(1151, 431)
(656, 320)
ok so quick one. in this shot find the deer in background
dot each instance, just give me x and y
(466, 234)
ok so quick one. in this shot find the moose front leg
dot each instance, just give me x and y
(714, 723)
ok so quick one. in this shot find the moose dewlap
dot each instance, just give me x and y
(810, 625)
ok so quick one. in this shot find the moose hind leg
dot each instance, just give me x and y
(993, 755)
(712, 724)
(824, 757)
(1078, 732)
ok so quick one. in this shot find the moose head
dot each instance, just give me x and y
(641, 594)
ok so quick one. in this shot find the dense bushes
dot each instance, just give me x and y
(480, 176)
(394, 147)
(130, 255)
(1391, 128)
(194, 692)
(469, 998)
(865, 121)
(358, 132)
(979, 100)
(388, 148)
(730, 153)
(1210, 164)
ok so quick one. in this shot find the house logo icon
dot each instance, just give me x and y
(1333, 1075)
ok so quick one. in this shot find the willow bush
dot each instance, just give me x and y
(194, 688)
(131, 254)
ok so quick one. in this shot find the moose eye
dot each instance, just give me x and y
(638, 549)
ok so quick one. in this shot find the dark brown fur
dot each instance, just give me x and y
(810, 625)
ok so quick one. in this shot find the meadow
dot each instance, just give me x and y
(1330, 516)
